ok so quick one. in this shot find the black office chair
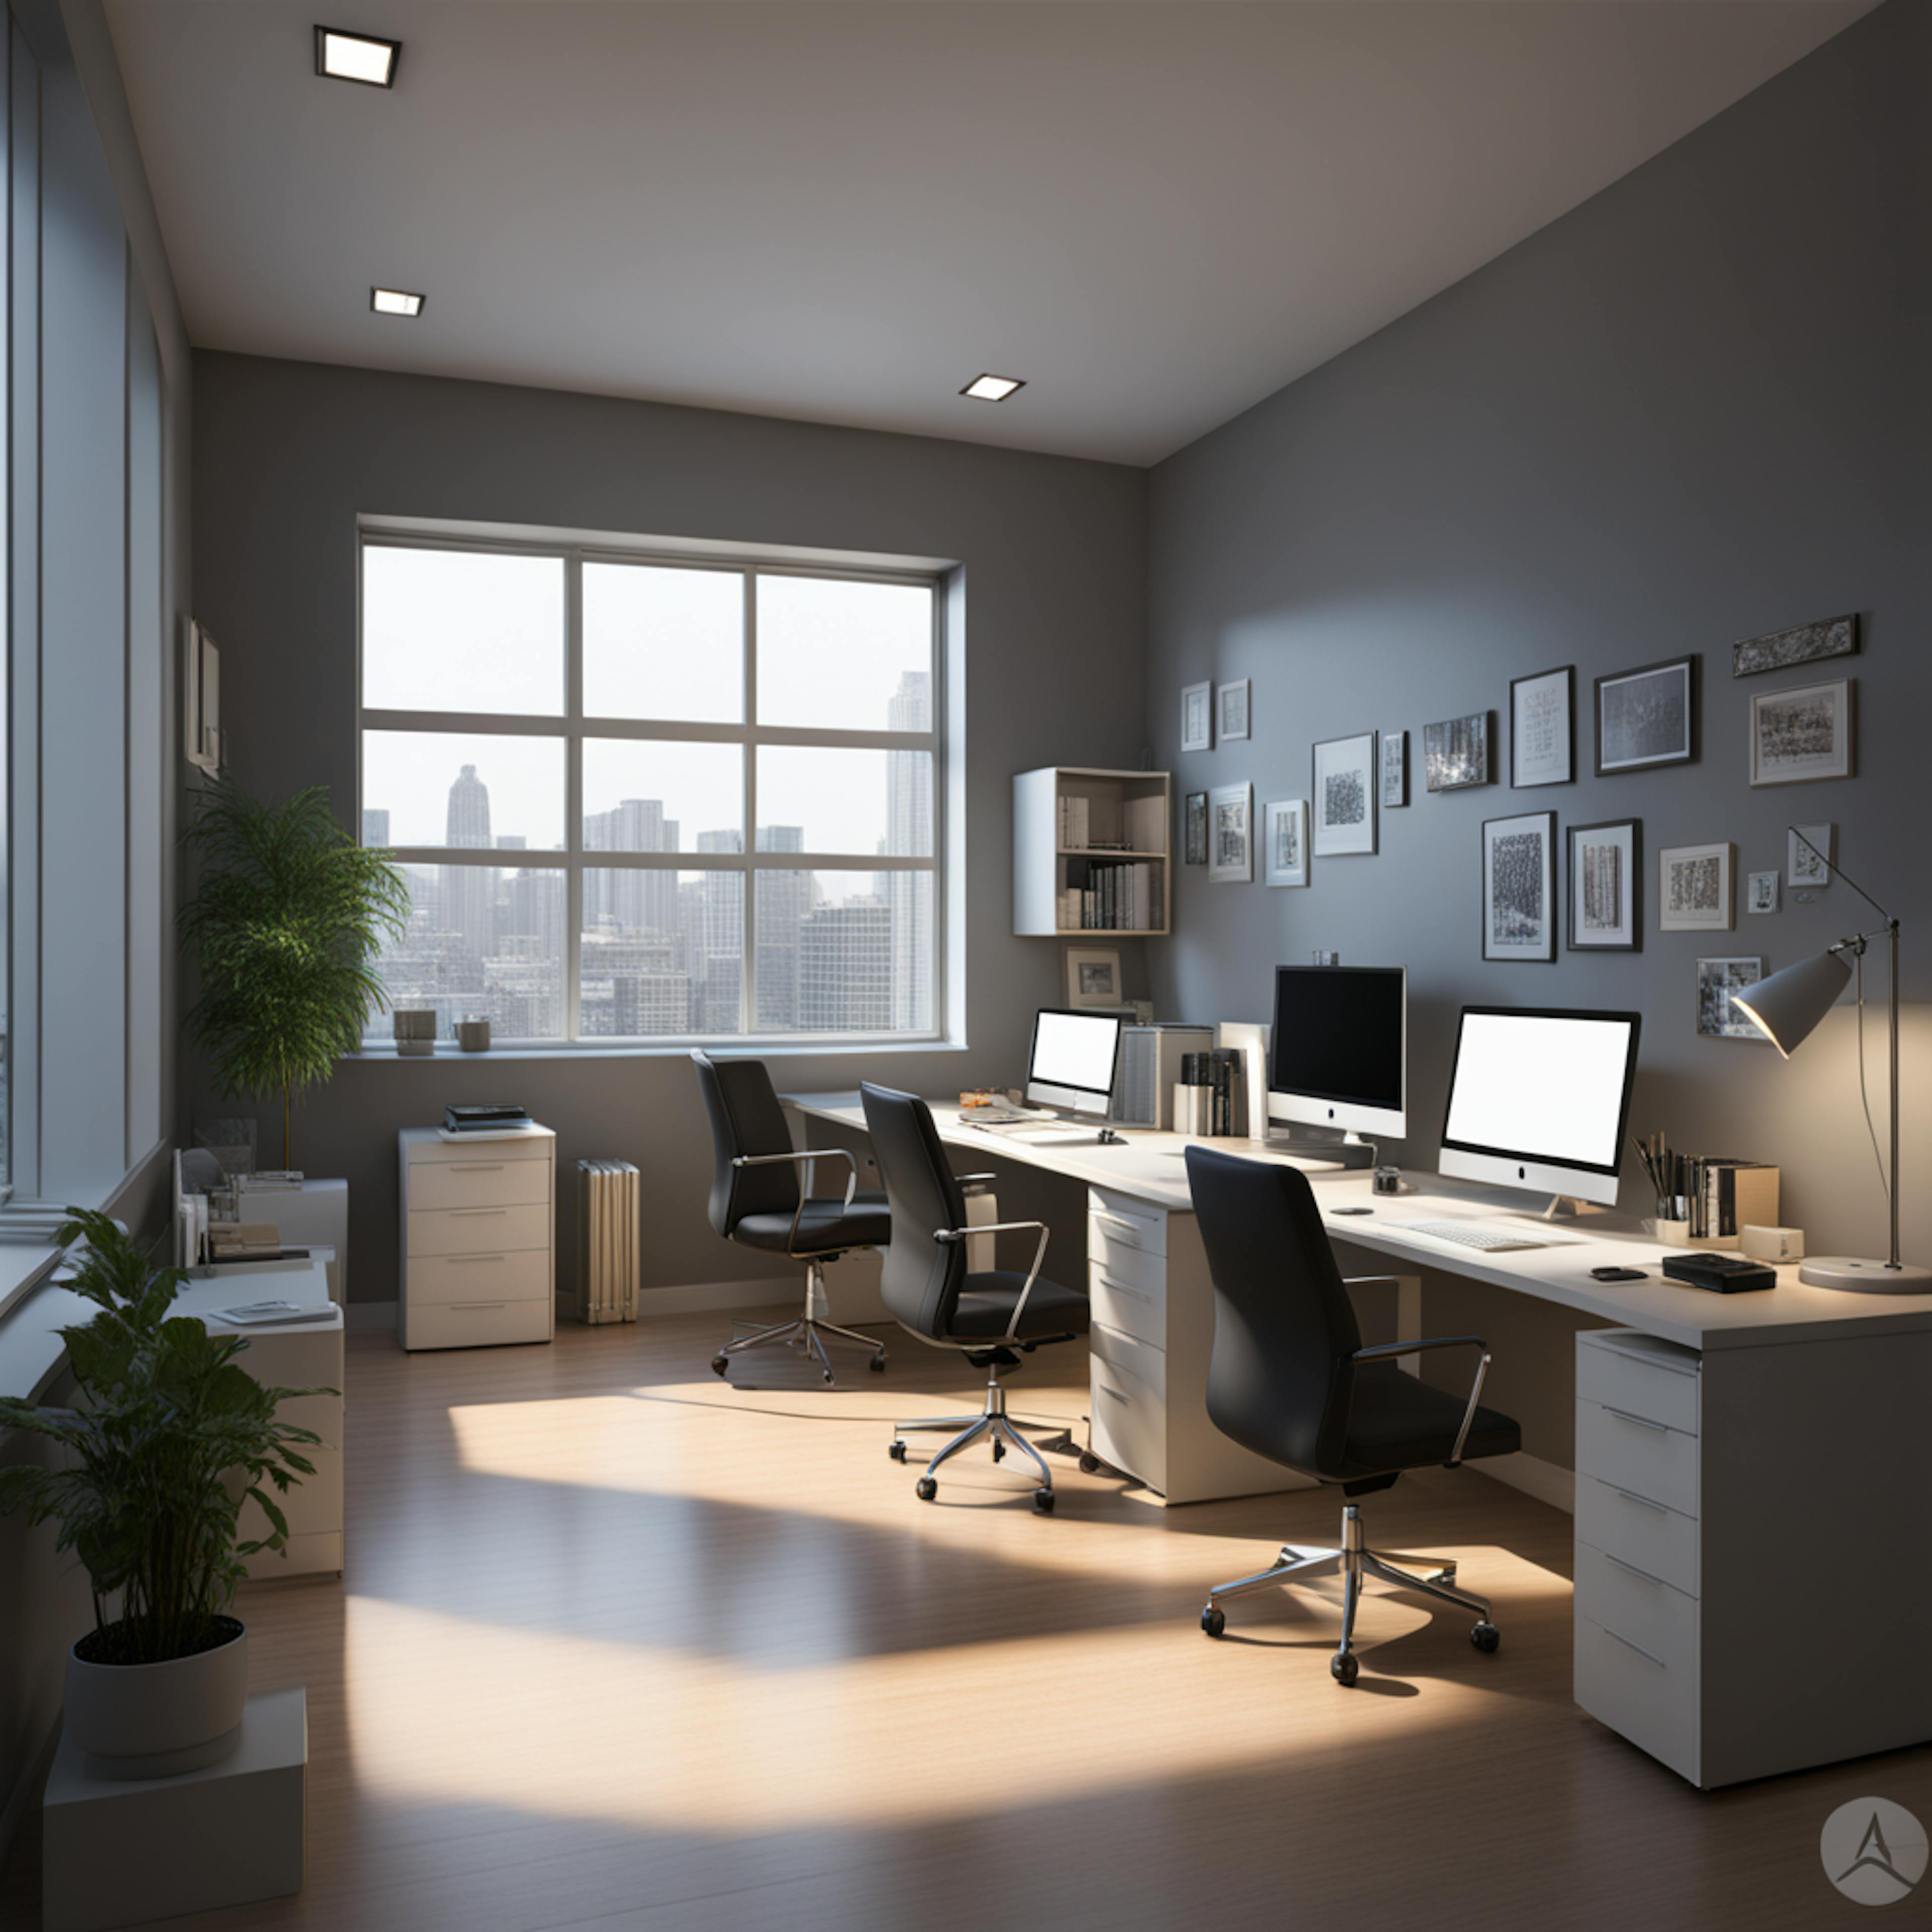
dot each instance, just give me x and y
(992, 1318)
(1290, 1380)
(756, 1201)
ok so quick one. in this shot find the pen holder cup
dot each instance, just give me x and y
(1672, 1233)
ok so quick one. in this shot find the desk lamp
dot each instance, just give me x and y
(1785, 1009)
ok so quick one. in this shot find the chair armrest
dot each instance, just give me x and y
(1384, 1351)
(1374, 1280)
(807, 1155)
(947, 1236)
(966, 1179)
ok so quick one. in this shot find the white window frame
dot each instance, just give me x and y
(574, 728)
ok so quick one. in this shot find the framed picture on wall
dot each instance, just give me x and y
(1763, 892)
(1519, 886)
(1394, 752)
(1197, 717)
(1194, 840)
(1811, 851)
(1717, 979)
(1093, 977)
(1344, 803)
(1801, 734)
(1606, 886)
(1231, 710)
(1647, 717)
(1542, 730)
(1285, 832)
(1456, 752)
(1833, 637)
(1694, 888)
(1231, 842)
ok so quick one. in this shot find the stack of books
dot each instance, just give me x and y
(244, 1241)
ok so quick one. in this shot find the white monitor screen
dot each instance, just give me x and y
(1547, 1086)
(1074, 1050)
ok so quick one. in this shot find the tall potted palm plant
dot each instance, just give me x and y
(287, 918)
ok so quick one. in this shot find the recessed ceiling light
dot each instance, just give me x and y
(395, 302)
(340, 56)
(991, 388)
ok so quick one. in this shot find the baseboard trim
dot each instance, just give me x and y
(369, 1315)
(697, 1297)
(1534, 1477)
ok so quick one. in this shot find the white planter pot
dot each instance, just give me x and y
(157, 1720)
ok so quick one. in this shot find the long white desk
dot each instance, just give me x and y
(1720, 1439)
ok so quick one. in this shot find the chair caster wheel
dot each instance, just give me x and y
(828, 1382)
(719, 1363)
(1089, 1463)
(1344, 1669)
(896, 1450)
(1213, 1620)
(877, 1365)
(1042, 1502)
(1486, 1636)
(999, 1450)
(926, 1489)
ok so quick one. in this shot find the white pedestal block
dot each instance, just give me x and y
(122, 1853)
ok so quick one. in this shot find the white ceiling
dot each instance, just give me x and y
(1157, 213)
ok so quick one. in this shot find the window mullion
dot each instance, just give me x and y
(573, 792)
(747, 970)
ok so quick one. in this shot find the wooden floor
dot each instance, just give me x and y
(624, 1649)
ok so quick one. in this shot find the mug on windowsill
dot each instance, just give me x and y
(473, 1035)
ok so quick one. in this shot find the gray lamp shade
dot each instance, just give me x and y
(1788, 1005)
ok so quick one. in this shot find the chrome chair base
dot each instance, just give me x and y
(806, 1333)
(1356, 1562)
(993, 1424)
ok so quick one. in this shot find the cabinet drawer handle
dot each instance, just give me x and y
(1638, 1647)
(472, 1307)
(1107, 1388)
(466, 1258)
(1633, 1570)
(1631, 1496)
(472, 1211)
(1120, 1221)
(1108, 1282)
(1642, 1421)
(476, 1167)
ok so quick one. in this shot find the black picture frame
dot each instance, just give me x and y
(1685, 669)
(1543, 953)
(1194, 824)
(1568, 673)
(1635, 943)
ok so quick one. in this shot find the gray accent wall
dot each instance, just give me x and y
(1695, 409)
(1052, 581)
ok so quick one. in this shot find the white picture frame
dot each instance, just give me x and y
(1197, 717)
(1231, 835)
(1342, 803)
(1520, 887)
(1284, 852)
(1801, 734)
(1694, 888)
(1717, 979)
(1232, 703)
(1392, 751)
(1811, 852)
(1763, 891)
(1094, 977)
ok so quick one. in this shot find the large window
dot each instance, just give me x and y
(642, 798)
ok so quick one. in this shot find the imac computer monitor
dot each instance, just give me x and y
(1540, 1100)
(1339, 1054)
(1073, 1059)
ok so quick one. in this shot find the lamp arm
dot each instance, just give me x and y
(1833, 863)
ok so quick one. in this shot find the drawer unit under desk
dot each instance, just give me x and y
(478, 1182)
(444, 1280)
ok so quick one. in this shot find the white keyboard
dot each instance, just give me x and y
(1489, 1237)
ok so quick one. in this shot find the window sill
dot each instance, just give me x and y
(448, 1052)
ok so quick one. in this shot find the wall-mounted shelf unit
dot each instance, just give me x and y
(1091, 852)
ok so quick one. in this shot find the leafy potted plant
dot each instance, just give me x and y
(172, 1438)
(289, 915)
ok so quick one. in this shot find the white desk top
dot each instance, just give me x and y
(1150, 1168)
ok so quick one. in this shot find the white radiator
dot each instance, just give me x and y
(607, 1258)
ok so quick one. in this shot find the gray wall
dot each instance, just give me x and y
(1694, 409)
(286, 454)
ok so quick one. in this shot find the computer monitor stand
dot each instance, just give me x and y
(1567, 1208)
(1335, 1144)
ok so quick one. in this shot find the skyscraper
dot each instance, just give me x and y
(845, 968)
(784, 899)
(376, 826)
(467, 891)
(720, 940)
(639, 901)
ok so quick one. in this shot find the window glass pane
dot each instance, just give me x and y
(463, 789)
(845, 952)
(658, 795)
(451, 630)
(483, 942)
(663, 643)
(817, 800)
(856, 657)
(663, 952)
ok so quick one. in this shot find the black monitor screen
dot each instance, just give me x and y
(1338, 1033)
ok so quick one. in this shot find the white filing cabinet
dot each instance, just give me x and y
(479, 1238)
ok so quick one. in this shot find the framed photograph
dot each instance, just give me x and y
(1519, 886)
(1647, 717)
(1455, 753)
(1811, 851)
(1543, 735)
(1093, 977)
(1197, 717)
(1717, 979)
(1606, 886)
(1393, 748)
(1344, 805)
(1194, 829)
(1231, 829)
(1231, 710)
(1801, 734)
(1694, 888)
(1835, 638)
(1285, 828)
(1762, 892)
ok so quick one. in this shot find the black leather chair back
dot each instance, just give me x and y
(1279, 1380)
(745, 1118)
(921, 1278)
